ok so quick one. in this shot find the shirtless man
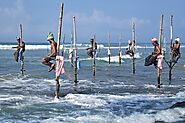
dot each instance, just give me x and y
(52, 55)
(152, 59)
(156, 51)
(90, 49)
(129, 50)
(156, 47)
(20, 48)
(176, 50)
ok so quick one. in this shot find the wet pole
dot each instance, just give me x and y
(58, 48)
(71, 46)
(160, 42)
(171, 38)
(98, 51)
(119, 53)
(133, 45)
(71, 39)
(94, 57)
(22, 61)
(75, 50)
(63, 43)
(109, 47)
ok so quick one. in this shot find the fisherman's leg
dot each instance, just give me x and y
(52, 65)
(153, 60)
(46, 61)
(177, 58)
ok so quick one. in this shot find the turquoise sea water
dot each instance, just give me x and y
(113, 95)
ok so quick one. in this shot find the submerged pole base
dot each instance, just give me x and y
(94, 70)
(109, 58)
(57, 87)
(158, 86)
(158, 78)
(76, 81)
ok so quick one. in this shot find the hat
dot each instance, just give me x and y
(154, 39)
(50, 36)
(18, 38)
(177, 39)
(129, 42)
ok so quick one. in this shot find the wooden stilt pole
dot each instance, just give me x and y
(75, 50)
(171, 38)
(58, 48)
(71, 39)
(94, 56)
(109, 47)
(22, 61)
(161, 32)
(63, 43)
(119, 53)
(71, 46)
(21, 34)
(99, 49)
(133, 46)
(160, 42)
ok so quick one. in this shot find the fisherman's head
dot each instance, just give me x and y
(177, 40)
(18, 39)
(129, 42)
(50, 37)
(163, 51)
(154, 41)
(91, 40)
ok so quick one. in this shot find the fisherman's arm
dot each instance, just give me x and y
(16, 47)
(23, 45)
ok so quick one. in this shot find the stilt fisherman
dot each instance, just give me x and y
(52, 56)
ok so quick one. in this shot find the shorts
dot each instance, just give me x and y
(48, 59)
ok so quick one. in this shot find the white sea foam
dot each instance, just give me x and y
(28, 47)
(180, 94)
(92, 119)
(112, 59)
(104, 102)
(37, 47)
(169, 115)
(116, 58)
(51, 120)
(124, 47)
(67, 46)
(136, 55)
(136, 118)
(90, 101)
(11, 97)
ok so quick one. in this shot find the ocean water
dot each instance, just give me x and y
(114, 95)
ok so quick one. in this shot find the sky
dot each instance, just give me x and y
(93, 17)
